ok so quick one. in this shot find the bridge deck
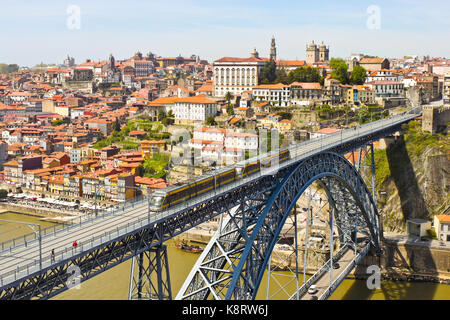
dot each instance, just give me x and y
(323, 282)
(19, 262)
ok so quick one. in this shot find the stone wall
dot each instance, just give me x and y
(435, 118)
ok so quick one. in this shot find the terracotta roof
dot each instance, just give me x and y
(443, 218)
(196, 99)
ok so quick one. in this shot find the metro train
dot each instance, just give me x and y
(173, 195)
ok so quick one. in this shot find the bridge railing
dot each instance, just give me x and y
(319, 273)
(30, 238)
(142, 222)
(329, 142)
(345, 272)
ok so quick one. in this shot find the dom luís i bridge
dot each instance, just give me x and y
(312, 203)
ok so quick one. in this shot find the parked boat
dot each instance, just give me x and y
(188, 247)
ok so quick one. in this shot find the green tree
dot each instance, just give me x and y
(340, 70)
(358, 75)
(8, 68)
(211, 121)
(161, 115)
(230, 109)
(116, 126)
(304, 74)
(268, 73)
(3, 193)
(282, 76)
(58, 122)
(228, 97)
(285, 115)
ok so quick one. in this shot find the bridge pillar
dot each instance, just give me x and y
(152, 280)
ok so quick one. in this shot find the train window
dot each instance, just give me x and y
(156, 201)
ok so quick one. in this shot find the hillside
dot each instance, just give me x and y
(413, 177)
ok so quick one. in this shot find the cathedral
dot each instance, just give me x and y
(316, 53)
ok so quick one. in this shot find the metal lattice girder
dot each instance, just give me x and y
(260, 238)
(52, 280)
(142, 286)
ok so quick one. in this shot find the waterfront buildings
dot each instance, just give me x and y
(446, 90)
(442, 227)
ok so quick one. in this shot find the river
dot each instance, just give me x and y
(113, 284)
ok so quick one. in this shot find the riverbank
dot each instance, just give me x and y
(46, 214)
(402, 260)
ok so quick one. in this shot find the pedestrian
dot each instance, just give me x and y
(53, 255)
(75, 244)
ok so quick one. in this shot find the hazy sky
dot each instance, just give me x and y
(33, 31)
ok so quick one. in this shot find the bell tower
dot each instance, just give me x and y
(273, 50)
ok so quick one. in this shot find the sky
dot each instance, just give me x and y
(35, 31)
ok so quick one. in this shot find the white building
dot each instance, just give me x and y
(241, 140)
(446, 90)
(224, 146)
(277, 94)
(196, 109)
(386, 88)
(236, 75)
(382, 75)
(442, 227)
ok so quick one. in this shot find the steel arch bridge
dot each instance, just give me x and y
(233, 264)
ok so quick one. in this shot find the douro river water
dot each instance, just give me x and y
(113, 284)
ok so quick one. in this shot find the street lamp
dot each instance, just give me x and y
(95, 195)
(149, 193)
(38, 233)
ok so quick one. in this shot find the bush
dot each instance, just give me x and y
(432, 234)
(3, 193)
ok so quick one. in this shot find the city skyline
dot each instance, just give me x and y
(213, 30)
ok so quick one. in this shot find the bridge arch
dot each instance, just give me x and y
(340, 178)
(234, 262)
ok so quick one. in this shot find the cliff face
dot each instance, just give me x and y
(413, 181)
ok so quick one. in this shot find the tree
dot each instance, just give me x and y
(282, 76)
(304, 74)
(268, 73)
(230, 109)
(210, 121)
(358, 75)
(340, 70)
(3, 193)
(58, 122)
(161, 115)
(228, 97)
(285, 115)
(8, 68)
(116, 126)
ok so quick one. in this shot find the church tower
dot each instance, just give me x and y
(112, 63)
(312, 53)
(255, 54)
(273, 50)
(324, 53)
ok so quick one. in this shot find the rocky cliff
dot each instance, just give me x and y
(413, 177)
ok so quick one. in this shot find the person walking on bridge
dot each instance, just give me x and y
(53, 255)
(75, 244)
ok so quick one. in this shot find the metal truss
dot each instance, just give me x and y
(53, 280)
(142, 286)
(232, 265)
(243, 247)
